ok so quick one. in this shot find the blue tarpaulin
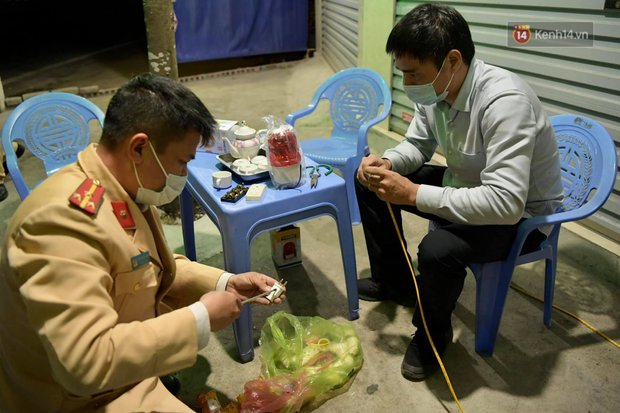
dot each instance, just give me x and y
(217, 29)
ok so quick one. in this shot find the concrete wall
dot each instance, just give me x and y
(377, 20)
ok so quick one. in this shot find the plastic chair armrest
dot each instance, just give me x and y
(292, 118)
(362, 133)
(18, 180)
(558, 218)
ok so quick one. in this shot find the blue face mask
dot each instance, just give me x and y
(425, 94)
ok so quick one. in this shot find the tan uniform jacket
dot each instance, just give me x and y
(78, 326)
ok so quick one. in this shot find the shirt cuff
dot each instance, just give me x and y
(203, 323)
(394, 159)
(222, 282)
(428, 198)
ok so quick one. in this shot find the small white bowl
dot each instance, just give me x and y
(259, 160)
(241, 162)
(248, 169)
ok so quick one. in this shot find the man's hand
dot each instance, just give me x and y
(250, 284)
(391, 186)
(371, 161)
(223, 307)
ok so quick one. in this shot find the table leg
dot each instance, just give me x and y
(244, 335)
(347, 247)
(187, 224)
(237, 261)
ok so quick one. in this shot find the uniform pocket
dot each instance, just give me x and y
(136, 281)
(134, 293)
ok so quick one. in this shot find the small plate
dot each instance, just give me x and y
(227, 160)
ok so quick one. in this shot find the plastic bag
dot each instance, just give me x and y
(302, 358)
(287, 165)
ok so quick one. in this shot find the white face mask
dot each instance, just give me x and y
(174, 187)
(425, 94)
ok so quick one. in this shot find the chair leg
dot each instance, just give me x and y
(347, 248)
(187, 224)
(493, 282)
(550, 270)
(349, 176)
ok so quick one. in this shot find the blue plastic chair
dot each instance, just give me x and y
(54, 127)
(355, 96)
(588, 162)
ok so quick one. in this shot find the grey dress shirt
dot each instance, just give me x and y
(500, 147)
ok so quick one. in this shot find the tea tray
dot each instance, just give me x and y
(227, 160)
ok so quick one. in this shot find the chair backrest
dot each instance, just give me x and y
(355, 97)
(54, 127)
(587, 158)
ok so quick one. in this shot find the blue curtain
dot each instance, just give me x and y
(217, 29)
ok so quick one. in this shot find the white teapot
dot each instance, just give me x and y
(247, 142)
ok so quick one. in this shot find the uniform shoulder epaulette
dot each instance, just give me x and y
(121, 210)
(89, 196)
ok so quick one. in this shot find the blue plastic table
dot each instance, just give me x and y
(241, 222)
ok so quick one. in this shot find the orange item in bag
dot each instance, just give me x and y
(209, 403)
(231, 408)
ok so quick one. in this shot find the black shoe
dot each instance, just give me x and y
(420, 361)
(371, 290)
(171, 383)
(19, 152)
(3, 192)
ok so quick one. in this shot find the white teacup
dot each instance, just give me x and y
(222, 179)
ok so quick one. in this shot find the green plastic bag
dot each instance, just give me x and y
(303, 358)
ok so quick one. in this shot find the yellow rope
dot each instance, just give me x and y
(519, 289)
(445, 373)
(600, 333)
(513, 286)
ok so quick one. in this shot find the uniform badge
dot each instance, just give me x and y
(88, 196)
(140, 260)
(121, 210)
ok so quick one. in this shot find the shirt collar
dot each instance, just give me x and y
(462, 102)
(94, 168)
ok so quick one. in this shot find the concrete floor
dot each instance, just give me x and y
(566, 368)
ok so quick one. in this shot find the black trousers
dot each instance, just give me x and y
(443, 255)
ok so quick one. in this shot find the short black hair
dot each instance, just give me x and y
(430, 31)
(160, 107)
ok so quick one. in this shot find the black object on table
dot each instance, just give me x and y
(235, 194)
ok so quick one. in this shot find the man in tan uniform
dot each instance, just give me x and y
(94, 307)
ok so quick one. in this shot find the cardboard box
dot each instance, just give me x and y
(218, 145)
(286, 246)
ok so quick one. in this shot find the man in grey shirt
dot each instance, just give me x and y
(503, 167)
